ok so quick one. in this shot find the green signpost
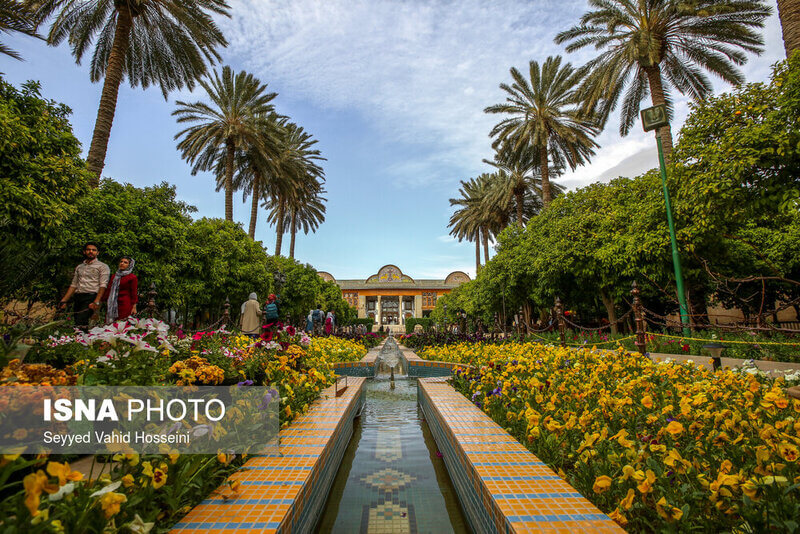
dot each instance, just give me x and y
(652, 119)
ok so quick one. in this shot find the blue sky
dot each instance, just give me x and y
(393, 90)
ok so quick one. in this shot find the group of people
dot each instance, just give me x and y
(93, 284)
(318, 321)
(252, 315)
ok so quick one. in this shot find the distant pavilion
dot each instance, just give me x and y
(390, 297)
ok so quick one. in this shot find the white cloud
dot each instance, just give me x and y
(423, 71)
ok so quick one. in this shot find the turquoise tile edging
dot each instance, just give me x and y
(320, 487)
(359, 369)
(420, 368)
(474, 507)
(480, 503)
(307, 505)
(424, 371)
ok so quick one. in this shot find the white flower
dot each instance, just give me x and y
(107, 489)
(62, 492)
(138, 526)
(107, 357)
(139, 343)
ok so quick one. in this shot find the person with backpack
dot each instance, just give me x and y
(271, 310)
(318, 317)
(310, 322)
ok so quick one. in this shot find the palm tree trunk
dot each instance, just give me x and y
(254, 208)
(547, 195)
(229, 163)
(477, 254)
(96, 158)
(520, 199)
(789, 13)
(279, 225)
(657, 96)
(293, 232)
(485, 246)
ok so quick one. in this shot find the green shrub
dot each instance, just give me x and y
(426, 323)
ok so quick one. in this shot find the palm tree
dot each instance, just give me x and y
(789, 13)
(544, 117)
(478, 217)
(463, 222)
(254, 167)
(237, 119)
(305, 212)
(517, 177)
(168, 43)
(646, 41)
(15, 17)
(297, 176)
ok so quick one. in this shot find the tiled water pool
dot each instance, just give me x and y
(392, 480)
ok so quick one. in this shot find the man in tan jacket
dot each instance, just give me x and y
(251, 317)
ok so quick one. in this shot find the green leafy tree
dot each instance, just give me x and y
(739, 154)
(149, 224)
(543, 116)
(737, 187)
(168, 43)
(225, 264)
(654, 46)
(42, 178)
(239, 117)
(41, 169)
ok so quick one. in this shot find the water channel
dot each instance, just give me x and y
(392, 479)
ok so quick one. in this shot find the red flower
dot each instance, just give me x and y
(685, 347)
(266, 336)
(290, 330)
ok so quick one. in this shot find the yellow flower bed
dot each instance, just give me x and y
(657, 446)
(335, 349)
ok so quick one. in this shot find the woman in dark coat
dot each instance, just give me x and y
(122, 293)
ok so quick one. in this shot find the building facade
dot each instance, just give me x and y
(390, 297)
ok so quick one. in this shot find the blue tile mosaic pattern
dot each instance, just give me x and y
(501, 494)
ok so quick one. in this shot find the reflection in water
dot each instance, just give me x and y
(391, 480)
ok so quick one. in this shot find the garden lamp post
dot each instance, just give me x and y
(655, 118)
(715, 349)
(279, 278)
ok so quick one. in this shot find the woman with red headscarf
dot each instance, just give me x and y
(122, 292)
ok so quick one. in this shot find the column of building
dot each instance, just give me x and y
(362, 307)
(378, 312)
(418, 306)
(400, 318)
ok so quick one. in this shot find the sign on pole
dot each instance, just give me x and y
(654, 117)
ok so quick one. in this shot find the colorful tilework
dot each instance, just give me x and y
(425, 368)
(502, 486)
(286, 493)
